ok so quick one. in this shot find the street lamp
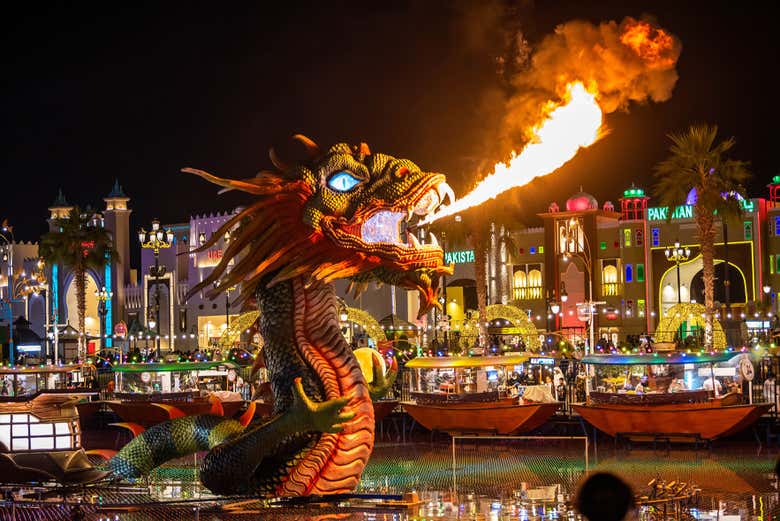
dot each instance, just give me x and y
(155, 240)
(103, 295)
(678, 254)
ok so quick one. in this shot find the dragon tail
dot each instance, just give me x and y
(169, 440)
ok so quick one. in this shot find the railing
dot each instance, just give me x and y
(611, 289)
(528, 293)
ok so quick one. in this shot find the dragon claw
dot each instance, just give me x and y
(319, 416)
(382, 381)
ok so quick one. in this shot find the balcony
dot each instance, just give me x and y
(528, 293)
(611, 289)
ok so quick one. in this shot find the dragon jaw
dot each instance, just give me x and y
(385, 235)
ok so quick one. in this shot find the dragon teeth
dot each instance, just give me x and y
(434, 240)
(413, 240)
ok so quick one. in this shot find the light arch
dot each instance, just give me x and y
(369, 324)
(515, 315)
(694, 315)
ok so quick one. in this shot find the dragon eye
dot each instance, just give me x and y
(343, 181)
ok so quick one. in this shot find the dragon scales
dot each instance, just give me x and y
(341, 213)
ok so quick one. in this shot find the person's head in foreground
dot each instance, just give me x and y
(604, 497)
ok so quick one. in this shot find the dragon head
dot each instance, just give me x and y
(342, 213)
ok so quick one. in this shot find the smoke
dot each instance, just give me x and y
(630, 61)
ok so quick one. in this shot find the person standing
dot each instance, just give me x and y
(770, 389)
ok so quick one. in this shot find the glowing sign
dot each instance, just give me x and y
(459, 257)
(542, 361)
(659, 213)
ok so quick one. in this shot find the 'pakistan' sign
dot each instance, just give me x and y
(660, 213)
(459, 257)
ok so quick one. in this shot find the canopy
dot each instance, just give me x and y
(465, 361)
(396, 323)
(43, 369)
(658, 358)
(176, 366)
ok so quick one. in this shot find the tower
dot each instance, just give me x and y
(59, 209)
(117, 221)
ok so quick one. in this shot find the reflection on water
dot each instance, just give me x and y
(482, 480)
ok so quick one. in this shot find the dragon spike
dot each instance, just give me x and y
(135, 428)
(246, 418)
(173, 412)
(312, 149)
(106, 454)
(278, 163)
(216, 406)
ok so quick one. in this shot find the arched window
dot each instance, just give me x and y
(629, 273)
(609, 280)
(535, 284)
(521, 280)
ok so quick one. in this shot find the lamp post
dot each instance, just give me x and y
(156, 240)
(678, 254)
(103, 295)
(7, 236)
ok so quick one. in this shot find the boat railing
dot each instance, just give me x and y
(445, 398)
(158, 396)
(603, 398)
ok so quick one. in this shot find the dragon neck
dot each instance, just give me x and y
(300, 326)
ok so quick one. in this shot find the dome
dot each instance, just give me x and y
(581, 201)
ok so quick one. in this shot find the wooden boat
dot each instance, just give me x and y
(384, 407)
(144, 393)
(471, 395)
(690, 412)
(40, 432)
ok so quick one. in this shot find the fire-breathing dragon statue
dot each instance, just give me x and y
(340, 213)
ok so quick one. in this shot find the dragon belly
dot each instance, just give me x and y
(335, 463)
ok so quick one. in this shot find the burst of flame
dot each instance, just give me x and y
(569, 127)
(649, 43)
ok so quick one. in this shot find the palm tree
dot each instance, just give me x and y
(697, 161)
(78, 243)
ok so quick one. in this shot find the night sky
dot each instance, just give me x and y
(93, 92)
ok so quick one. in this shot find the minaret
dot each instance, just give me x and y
(59, 209)
(117, 221)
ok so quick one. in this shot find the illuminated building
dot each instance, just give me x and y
(632, 277)
(198, 322)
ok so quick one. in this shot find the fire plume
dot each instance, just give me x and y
(569, 126)
(654, 45)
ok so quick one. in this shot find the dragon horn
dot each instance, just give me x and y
(312, 149)
(363, 151)
(278, 163)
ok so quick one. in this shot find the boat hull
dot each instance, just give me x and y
(382, 408)
(147, 414)
(709, 421)
(490, 417)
